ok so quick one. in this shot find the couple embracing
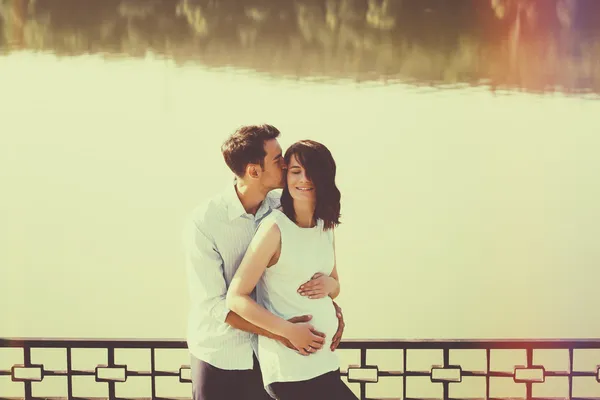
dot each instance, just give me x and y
(262, 275)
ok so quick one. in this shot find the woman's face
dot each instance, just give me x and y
(300, 187)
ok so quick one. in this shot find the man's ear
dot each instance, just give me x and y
(253, 170)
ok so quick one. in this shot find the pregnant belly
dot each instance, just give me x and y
(324, 318)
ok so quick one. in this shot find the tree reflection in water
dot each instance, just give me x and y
(533, 45)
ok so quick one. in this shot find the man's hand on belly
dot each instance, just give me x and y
(338, 335)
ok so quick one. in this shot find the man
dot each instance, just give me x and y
(222, 345)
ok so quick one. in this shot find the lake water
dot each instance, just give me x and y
(467, 146)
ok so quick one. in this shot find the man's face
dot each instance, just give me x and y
(273, 176)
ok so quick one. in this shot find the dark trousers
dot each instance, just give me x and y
(325, 387)
(212, 383)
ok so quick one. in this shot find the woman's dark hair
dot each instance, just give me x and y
(320, 169)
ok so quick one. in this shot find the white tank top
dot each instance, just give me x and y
(304, 252)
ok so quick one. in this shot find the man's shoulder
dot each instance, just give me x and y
(274, 218)
(274, 198)
(209, 211)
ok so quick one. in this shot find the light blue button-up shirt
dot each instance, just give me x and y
(215, 240)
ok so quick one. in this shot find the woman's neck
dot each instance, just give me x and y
(305, 214)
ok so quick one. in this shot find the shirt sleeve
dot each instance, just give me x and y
(204, 266)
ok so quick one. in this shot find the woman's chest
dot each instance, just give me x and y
(302, 259)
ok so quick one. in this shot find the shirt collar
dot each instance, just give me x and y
(235, 209)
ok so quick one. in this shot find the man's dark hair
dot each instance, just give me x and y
(320, 168)
(247, 146)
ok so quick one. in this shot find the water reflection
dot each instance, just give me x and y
(535, 45)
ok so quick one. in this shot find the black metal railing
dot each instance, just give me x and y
(445, 368)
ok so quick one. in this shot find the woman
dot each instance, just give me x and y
(290, 247)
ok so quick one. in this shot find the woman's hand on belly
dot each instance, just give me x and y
(318, 286)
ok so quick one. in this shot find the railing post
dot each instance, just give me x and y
(363, 363)
(27, 363)
(529, 385)
(111, 364)
(153, 371)
(404, 369)
(487, 373)
(570, 373)
(70, 376)
(446, 385)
